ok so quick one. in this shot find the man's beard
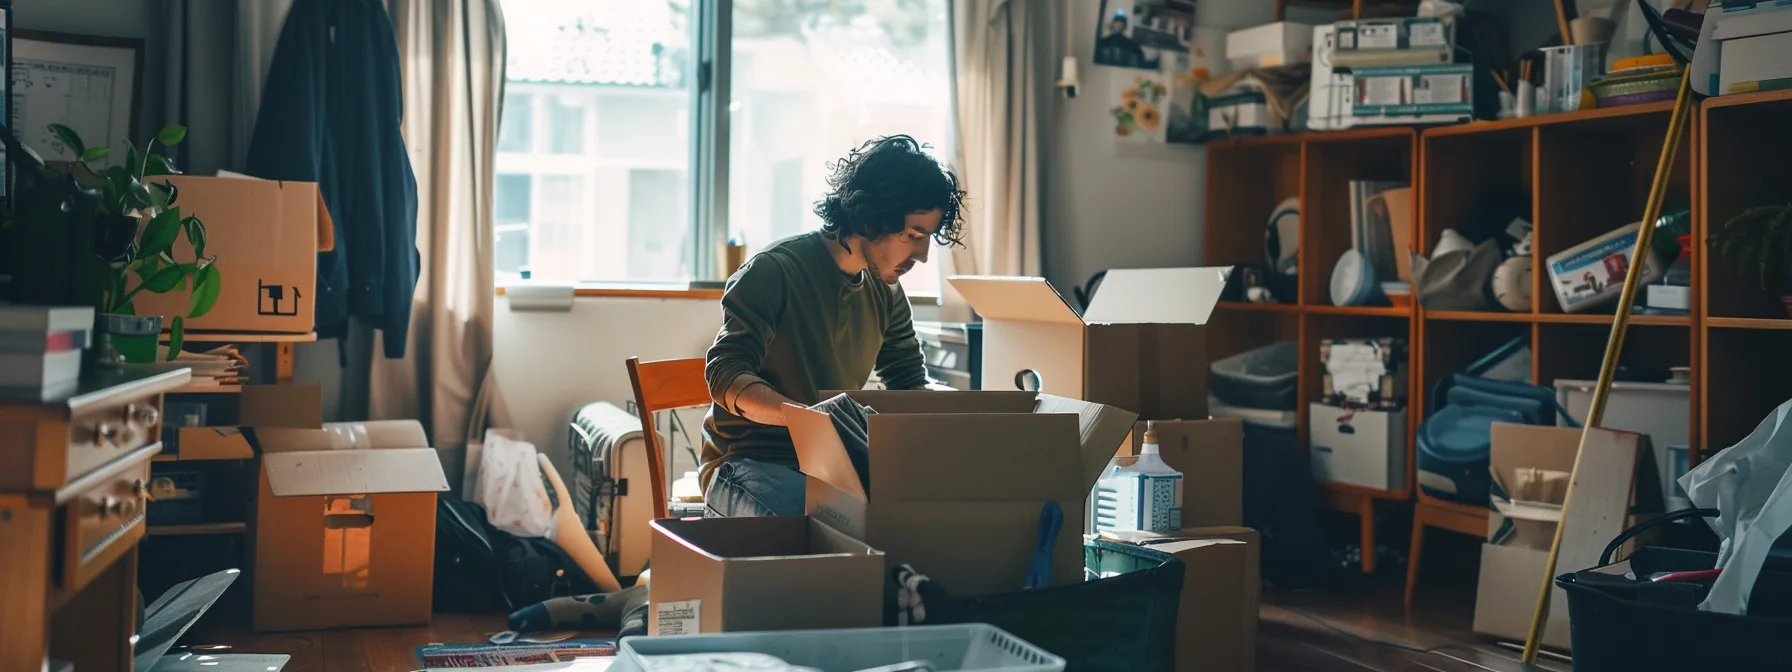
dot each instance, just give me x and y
(872, 270)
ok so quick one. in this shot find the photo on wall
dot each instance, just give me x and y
(1138, 33)
(1139, 104)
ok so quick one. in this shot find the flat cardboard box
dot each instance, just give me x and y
(1210, 455)
(959, 480)
(266, 235)
(745, 574)
(281, 405)
(1270, 45)
(344, 532)
(1140, 346)
(1217, 622)
(1517, 553)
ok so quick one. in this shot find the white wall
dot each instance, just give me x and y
(548, 364)
(1121, 206)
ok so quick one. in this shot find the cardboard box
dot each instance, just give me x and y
(1413, 91)
(959, 480)
(282, 405)
(744, 574)
(1217, 622)
(1366, 448)
(1756, 45)
(344, 532)
(1592, 273)
(1210, 455)
(1140, 346)
(1270, 45)
(1517, 552)
(266, 236)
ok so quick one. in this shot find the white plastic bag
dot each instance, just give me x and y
(510, 487)
(1751, 487)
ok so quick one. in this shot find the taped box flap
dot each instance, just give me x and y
(1014, 298)
(354, 472)
(379, 434)
(1157, 295)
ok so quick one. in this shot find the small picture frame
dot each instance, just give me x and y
(89, 83)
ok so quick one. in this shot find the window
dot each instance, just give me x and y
(603, 141)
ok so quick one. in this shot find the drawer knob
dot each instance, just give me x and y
(106, 432)
(141, 414)
(109, 507)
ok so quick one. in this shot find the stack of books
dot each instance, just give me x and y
(220, 367)
(40, 350)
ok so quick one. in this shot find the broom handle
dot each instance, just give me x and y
(1614, 345)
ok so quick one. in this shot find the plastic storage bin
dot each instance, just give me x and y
(968, 647)
(1260, 378)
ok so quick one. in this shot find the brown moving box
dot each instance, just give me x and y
(1210, 455)
(345, 526)
(282, 405)
(1140, 346)
(959, 480)
(742, 574)
(1517, 550)
(266, 236)
(1216, 625)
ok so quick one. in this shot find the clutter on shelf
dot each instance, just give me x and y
(41, 349)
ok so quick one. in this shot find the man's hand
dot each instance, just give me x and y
(762, 404)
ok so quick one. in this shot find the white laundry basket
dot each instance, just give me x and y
(971, 647)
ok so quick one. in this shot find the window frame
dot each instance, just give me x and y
(709, 73)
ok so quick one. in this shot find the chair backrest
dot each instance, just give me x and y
(662, 386)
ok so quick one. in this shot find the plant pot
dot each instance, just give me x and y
(133, 337)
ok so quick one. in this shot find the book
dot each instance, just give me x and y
(45, 319)
(40, 370)
(34, 342)
(1371, 226)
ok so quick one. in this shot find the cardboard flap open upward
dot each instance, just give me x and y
(1010, 298)
(354, 472)
(930, 401)
(1101, 430)
(819, 452)
(1515, 446)
(1156, 295)
(297, 405)
(343, 436)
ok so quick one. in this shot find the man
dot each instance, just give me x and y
(820, 311)
(1118, 49)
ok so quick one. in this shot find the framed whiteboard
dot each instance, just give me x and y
(88, 83)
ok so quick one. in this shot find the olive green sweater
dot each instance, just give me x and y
(793, 321)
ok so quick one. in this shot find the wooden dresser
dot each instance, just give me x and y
(73, 478)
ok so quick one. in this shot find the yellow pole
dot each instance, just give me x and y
(1664, 168)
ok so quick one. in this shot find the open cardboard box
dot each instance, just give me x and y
(266, 235)
(1141, 345)
(743, 574)
(345, 526)
(959, 480)
(1516, 554)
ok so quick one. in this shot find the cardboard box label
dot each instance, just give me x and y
(679, 618)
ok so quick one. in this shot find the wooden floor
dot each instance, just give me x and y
(1299, 633)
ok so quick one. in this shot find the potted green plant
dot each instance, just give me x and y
(1759, 243)
(103, 234)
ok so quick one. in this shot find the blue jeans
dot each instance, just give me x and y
(747, 488)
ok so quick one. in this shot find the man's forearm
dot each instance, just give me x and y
(762, 404)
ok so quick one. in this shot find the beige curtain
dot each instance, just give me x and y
(452, 57)
(1000, 47)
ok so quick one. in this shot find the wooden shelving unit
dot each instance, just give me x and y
(1744, 347)
(200, 528)
(1581, 175)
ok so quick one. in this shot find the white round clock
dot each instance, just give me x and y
(1512, 284)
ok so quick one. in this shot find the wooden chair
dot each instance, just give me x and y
(662, 386)
(1432, 512)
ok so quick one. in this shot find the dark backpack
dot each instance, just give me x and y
(480, 568)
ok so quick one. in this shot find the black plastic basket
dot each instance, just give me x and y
(1622, 625)
(1123, 622)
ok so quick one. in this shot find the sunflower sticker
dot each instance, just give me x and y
(1138, 109)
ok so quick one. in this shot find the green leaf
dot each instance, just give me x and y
(172, 135)
(159, 165)
(177, 336)
(166, 280)
(126, 308)
(147, 266)
(205, 290)
(195, 234)
(70, 139)
(133, 161)
(158, 196)
(95, 153)
(159, 234)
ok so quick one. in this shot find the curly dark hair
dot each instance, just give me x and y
(883, 181)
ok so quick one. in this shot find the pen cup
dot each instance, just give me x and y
(1527, 99)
